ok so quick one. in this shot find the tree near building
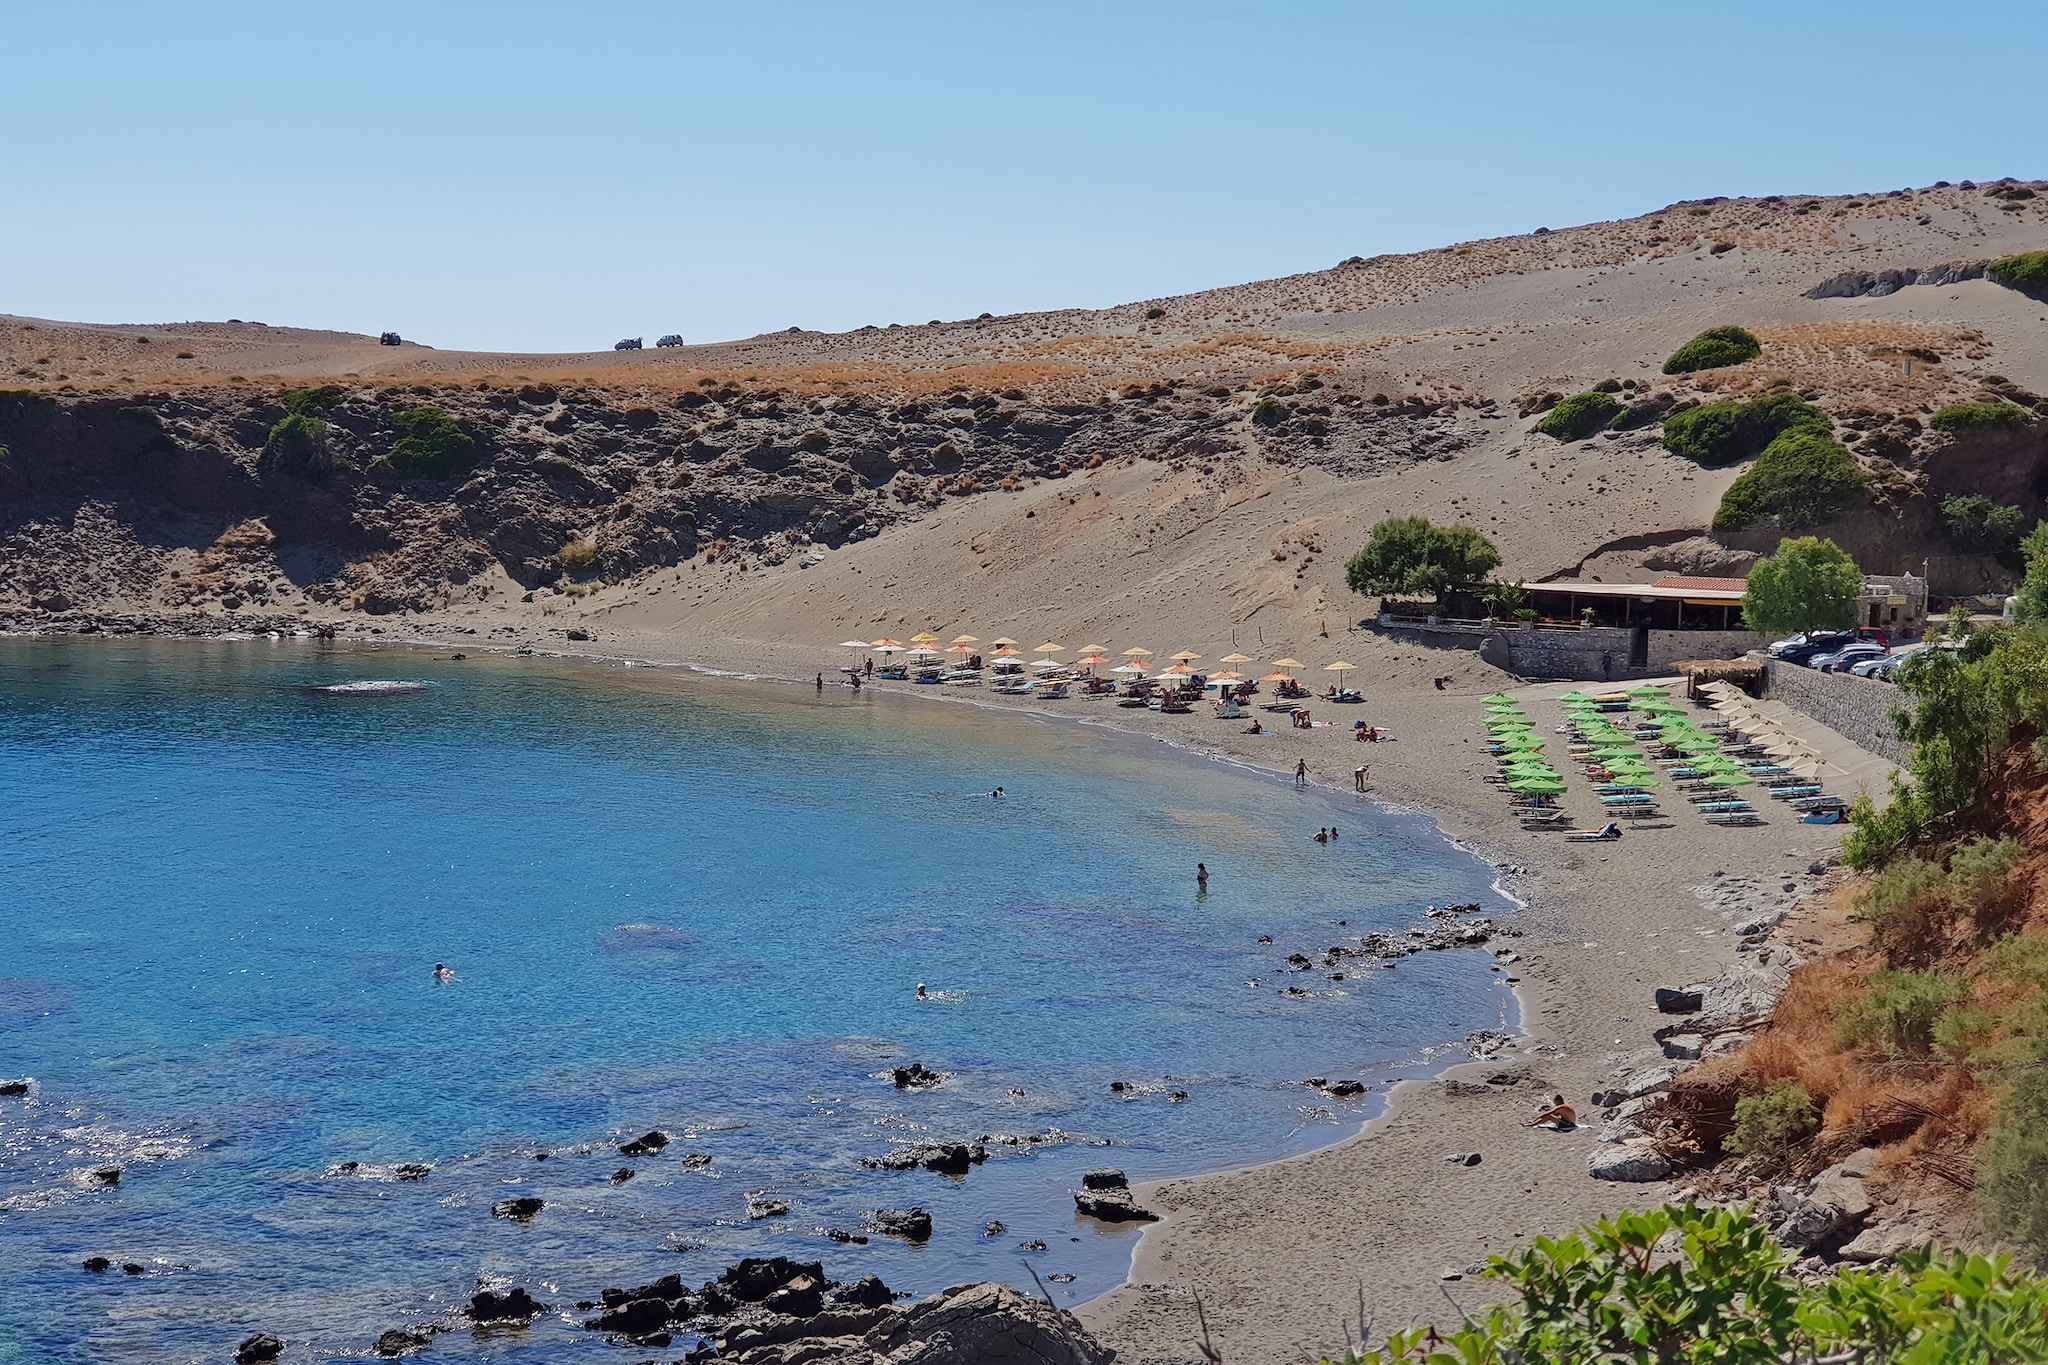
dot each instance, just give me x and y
(1808, 585)
(1413, 555)
(2032, 601)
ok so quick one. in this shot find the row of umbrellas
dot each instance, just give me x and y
(1801, 758)
(926, 644)
(1515, 734)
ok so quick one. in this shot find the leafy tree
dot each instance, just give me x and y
(431, 444)
(1979, 526)
(1411, 554)
(1714, 349)
(1809, 584)
(1723, 433)
(1579, 416)
(2032, 598)
(1803, 478)
(1726, 1295)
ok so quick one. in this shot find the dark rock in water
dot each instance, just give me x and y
(348, 1168)
(10, 1089)
(131, 1268)
(975, 1323)
(622, 1175)
(760, 1206)
(106, 1175)
(1105, 1178)
(912, 1224)
(850, 1238)
(395, 1343)
(1033, 1245)
(945, 1158)
(916, 1076)
(1343, 1089)
(514, 1305)
(258, 1349)
(697, 1161)
(651, 1141)
(755, 1278)
(636, 1317)
(97, 1264)
(802, 1297)
(522, 1208)
(1061, 1278)
(1112, 1206)
(542, 1156)
(411, 1170)
(866, 1292)
(994, 1229)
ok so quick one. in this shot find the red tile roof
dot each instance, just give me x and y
(1701, 584)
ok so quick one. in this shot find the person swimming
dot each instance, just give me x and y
(921, 992)
(441, 972)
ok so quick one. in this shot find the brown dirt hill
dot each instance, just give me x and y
(1396, 384)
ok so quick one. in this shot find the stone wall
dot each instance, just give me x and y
(1667, 647)
(1859, 709)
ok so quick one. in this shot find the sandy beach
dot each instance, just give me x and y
(1282, 1254)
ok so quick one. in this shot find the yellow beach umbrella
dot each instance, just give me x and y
(1002, 640)
(1134, 652)
(965, 640)
(1187, 656)
(1095, 649)
(1339, 667)
(1289, 663)
(924, 637)
(1049, 649)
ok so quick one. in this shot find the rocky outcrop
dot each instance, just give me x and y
(1105, 1194)
(259, 1350)
(1852, 284)
(513, 1305)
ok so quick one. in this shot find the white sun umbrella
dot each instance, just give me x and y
(1045, 663)
(1128, 668)
(853, 644)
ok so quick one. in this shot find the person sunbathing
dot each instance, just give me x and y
(1559, 1116)
(1254, 729)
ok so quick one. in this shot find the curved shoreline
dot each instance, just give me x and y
(1278, 1249)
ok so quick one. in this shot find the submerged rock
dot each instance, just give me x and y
(945, 1158)
(916, 1076)
(912, 1224)
(649, 1142)
(522, 1208)
(258, 1350)
(396, 1343)
(514, 1305)
(10, 1089)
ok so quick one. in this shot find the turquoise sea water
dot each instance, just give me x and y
(671, 902)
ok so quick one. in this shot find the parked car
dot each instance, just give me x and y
(1876, 633)
(672, 339)
(1814, 645)
(389, 339)
(1840, 661)
(629, 344)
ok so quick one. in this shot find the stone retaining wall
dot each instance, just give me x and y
(1858, 709)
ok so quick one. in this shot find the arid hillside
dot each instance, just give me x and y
(1197, 466)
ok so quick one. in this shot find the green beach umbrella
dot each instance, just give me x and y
(1575, 696)
(1500, 696)
(1727, 780)
(1648, 690)
(1537, 786)
(1529, 742)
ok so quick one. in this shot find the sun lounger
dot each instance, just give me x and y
(1736, 818)
(1787, 793)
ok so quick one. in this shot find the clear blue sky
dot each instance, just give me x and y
(555, 176)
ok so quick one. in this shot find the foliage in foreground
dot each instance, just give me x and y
(1803, 478)
(1607, 1293)
(1579, 416)
(1714, 349)
(1723, 433)
(1412, 555)
(1808, 584)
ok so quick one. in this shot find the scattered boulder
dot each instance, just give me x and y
(522, 1208)
(411, 1170)
(1462, 1158)
(576, 634)
(514, 1305)
(1685, 1047)
(259, 1350)
(1627, 1163)
(645, 1145)
(1652, 1079)
(760, 1206)
(1112, 1204)
(945, 1158)
(912, 1224)
(11, 1089)
(1831, 1210)
(1673, 1001)
(396, 1343)
(916, 1076)
(994, 1228)
(105, 1175)
(1105, 1178)
(976, 1323)
(866, 1292)
(98, 1265)
(622, 1175)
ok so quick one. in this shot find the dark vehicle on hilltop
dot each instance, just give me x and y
(389, 339)
(672, 339)
(629, 344)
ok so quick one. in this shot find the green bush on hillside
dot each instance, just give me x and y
(310, 401)
(2027, 272)
(579, 554)
(1979, 526)
(1579, 416)
(1999, 416)
(1684, 1285)
(2012, 1164)
(297, 444)
(1714, 349)
(1770, 1125)
(1801, 479)
(1723, 433)
(1896, 1011)
(431, 444)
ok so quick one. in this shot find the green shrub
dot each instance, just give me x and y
(1269, 413)
(1984, 876)
(579, 554)
(1895, 1012)
(1723, 433)
(1684, 1285)
(2027, 272)
(310, 401)
(814, 441)
(297, 444)
(1770, 1125)
(2012, 1165)
(2022, 957)
(1979, 526)
(1999, 416)
(431, 444)
(1803, 478)
(2031, 601)
(1714, 349)
(1579, 416)
(1900, 904)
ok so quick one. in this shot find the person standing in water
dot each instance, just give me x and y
(1201, 876)
(1301, 772)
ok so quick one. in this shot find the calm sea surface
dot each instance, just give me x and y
(670, 902)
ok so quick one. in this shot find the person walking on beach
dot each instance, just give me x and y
(1358, 777)
(1301, 772)
(821, 682)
